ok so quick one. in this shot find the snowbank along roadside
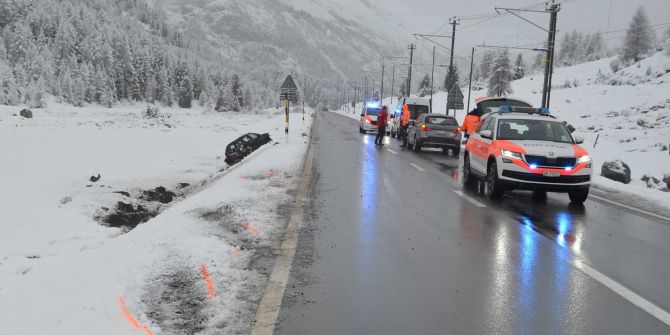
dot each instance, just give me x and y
(198, 267)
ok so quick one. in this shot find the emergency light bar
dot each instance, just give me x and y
(514, 109)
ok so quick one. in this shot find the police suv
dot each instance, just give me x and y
(527, 149)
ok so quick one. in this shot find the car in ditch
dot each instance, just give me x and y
(527, 149)
(244, 145)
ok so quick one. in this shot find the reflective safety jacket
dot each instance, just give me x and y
(404, 118)
(470, 123)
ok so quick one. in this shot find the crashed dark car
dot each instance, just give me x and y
(244, 145)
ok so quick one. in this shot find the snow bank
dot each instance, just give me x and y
(61, 272)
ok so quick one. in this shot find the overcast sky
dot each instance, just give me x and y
(430, 16)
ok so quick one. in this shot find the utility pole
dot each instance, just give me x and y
(409, 75)
(551, 42)
(374, 82)
(365, 93)
(381, 91)
(551, 46)
(432, 78)
(472, 68)
(453, 22)
(355, 95)
(392, 83)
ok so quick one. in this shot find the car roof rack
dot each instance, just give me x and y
(505, 109)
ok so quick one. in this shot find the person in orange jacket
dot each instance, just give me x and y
(404, 121)
(471, 121)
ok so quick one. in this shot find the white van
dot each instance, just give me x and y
(417, 107)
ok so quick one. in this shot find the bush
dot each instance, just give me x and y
(615, 65)
(152, 112)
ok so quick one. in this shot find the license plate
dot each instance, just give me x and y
(551, 174)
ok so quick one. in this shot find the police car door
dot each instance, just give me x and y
(479, 146)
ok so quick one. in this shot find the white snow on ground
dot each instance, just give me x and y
(629, 109)
(61, 272)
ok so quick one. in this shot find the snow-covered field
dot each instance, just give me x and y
(629, 110)
(62, 272)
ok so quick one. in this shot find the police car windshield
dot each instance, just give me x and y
(372, 111)
(533, 130)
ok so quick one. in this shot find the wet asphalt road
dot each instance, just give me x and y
(390, 249)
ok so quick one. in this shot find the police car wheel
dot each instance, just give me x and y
(578, 197)
(493, 187)
(417, 144)
(468, 178)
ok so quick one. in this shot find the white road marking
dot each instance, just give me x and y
(391, 151)
(471, 200)
(417, 167)
(624, 292)
(268, 310)
(665, 218)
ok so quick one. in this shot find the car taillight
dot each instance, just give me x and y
(425, 128)
(457, 130)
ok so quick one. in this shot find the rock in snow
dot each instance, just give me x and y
(616, 170)
(26, 113)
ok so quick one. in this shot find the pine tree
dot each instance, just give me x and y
(639, 38)
(500, 82)
(9, 92)
(236, 90)
(403, 89)
(451, 79)
(184, 85)
(519, 67)
(424, 86)
(164, 89)
(486, 64)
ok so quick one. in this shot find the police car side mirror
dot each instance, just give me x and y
(579, 140)
(486, 134)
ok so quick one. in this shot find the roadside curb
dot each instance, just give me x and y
(268, 309)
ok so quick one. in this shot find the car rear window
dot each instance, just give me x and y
(417, 110)
(442, 121)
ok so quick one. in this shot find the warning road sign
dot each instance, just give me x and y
(289, 90)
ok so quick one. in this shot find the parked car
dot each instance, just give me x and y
(368, 120)
(435, 131)
(416, 106)
(244, 145)
(517, 149)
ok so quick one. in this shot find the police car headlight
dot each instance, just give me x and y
(584, 159)
(510, 154)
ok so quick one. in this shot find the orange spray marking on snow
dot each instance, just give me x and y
(208, 281)
(237, 253)
(271, 174)
(134, 322)
(250, 228)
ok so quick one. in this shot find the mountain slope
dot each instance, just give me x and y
(310, 37)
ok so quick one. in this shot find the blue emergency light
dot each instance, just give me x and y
(544, 110)
(372, 104)
(505, 109)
